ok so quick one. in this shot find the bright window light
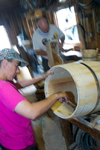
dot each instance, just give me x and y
(4, 40)
(67, 23)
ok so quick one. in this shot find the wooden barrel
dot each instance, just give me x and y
(89, 54)
(82, 80)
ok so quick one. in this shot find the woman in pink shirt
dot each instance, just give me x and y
(16, 132)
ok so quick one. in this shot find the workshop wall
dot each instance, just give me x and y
(12, 21)
(87, 16)
(88, 12)
(17, 21)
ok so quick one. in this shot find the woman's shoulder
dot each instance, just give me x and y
(6, 84)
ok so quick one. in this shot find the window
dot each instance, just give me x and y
(4, 40)
(67, 23)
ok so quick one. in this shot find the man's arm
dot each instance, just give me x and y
(61, 42)
(62, 39)
(40, 52)
(76, 48)
(44, 53)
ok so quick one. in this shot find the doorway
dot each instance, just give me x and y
(4, 39)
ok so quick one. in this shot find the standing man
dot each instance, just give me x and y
(46, 32)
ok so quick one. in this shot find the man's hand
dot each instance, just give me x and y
(76, 48)
(60, 46)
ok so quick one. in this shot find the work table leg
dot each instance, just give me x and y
(67, 132)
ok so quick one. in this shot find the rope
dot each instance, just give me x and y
(87, 32)
(97, 11)
(87, 6)
(97, 1)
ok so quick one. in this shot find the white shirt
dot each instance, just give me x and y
(40, 37)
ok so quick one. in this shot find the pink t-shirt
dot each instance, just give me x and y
(15, 130)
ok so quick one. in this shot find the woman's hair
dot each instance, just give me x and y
(0, 62)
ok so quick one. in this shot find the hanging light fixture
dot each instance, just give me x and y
(60, 1)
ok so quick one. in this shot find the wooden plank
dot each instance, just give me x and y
(87, 28)
(54, 58)
(50, 55)
(27, 21)
(82, 44)
(26, 27)
(95, 33)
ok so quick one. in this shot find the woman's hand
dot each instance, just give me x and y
(47, 74)
(63, 96)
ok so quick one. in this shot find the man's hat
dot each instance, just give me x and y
(12, 54)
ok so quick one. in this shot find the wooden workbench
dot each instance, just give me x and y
(82, 124)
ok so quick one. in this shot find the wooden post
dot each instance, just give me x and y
(66, 132)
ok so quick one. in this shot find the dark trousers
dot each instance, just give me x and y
(28, 148)
(45, 64)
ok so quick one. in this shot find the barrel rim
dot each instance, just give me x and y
(97, 83)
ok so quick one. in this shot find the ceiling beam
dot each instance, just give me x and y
(8, 4)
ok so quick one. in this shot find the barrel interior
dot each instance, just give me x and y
(62, 80)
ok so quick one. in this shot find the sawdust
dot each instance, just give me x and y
(52, 134)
